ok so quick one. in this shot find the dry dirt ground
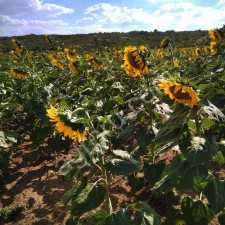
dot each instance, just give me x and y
(32, 178)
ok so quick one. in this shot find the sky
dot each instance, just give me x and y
(21, 17)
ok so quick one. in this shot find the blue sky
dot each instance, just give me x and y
(21, 17)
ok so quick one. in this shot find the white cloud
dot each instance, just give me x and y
(23, 26)
(51, 10)
(28, 7)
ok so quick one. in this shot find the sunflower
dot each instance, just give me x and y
(94, 62)
(52, 113)
(56, 63)
(70, 56)
(19, 75)
(213, 48)
(176, 63)
(165, 42)
(63, 128)
(73, 67)
(179, 92)
(216, 36)
(48, 39)
(17, 45)
(197, 51)
(134, 65)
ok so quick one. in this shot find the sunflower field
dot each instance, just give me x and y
(155, 117)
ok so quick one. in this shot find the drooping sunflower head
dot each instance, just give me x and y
(134, 63)
(179, 92)
(165, 42)
(48, 39)
(70, 56)
(216, 36)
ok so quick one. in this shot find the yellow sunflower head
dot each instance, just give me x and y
(197, 51)
(179, 92)
(216, 36)
(213, 48)
(133, 62)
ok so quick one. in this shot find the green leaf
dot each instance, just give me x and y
(199, 150)
(213, 112)
(146, 215)
(221, 217)
(3, 140)
(40, 133)
(90, 198)
(173, 127)
(163, 185)
(100, 217)
(118, 218)
(72, 167)
(119, 99)
(12, 135)
(122, 166)
(174, 217)
(196, 212)
(206, 123)
(184, 176)
(73, 192)
(219, 157)
(153, 172)
(214, 192)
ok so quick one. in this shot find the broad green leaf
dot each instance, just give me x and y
(90, 198)
(173, 127)
(206, 123)
(100, 217)
(72, 167)
(213, 112)
(146, 215)
(153, 172)
(221, 217)
(184, 176)
(40, 133)
(12, 135)
(199, 150)
(214, 192)
(118, 218)
(122, 166)
(219, 157)
(174, 217)
(163, 186)
(196, 212)
(73, 192)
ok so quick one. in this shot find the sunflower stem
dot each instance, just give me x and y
(107, 196)
(198, 125)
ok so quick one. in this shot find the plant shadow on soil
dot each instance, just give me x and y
(32, 178)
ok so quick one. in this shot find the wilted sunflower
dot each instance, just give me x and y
(179, 92)
(216, 36)
(134, 64)
(66, 130)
